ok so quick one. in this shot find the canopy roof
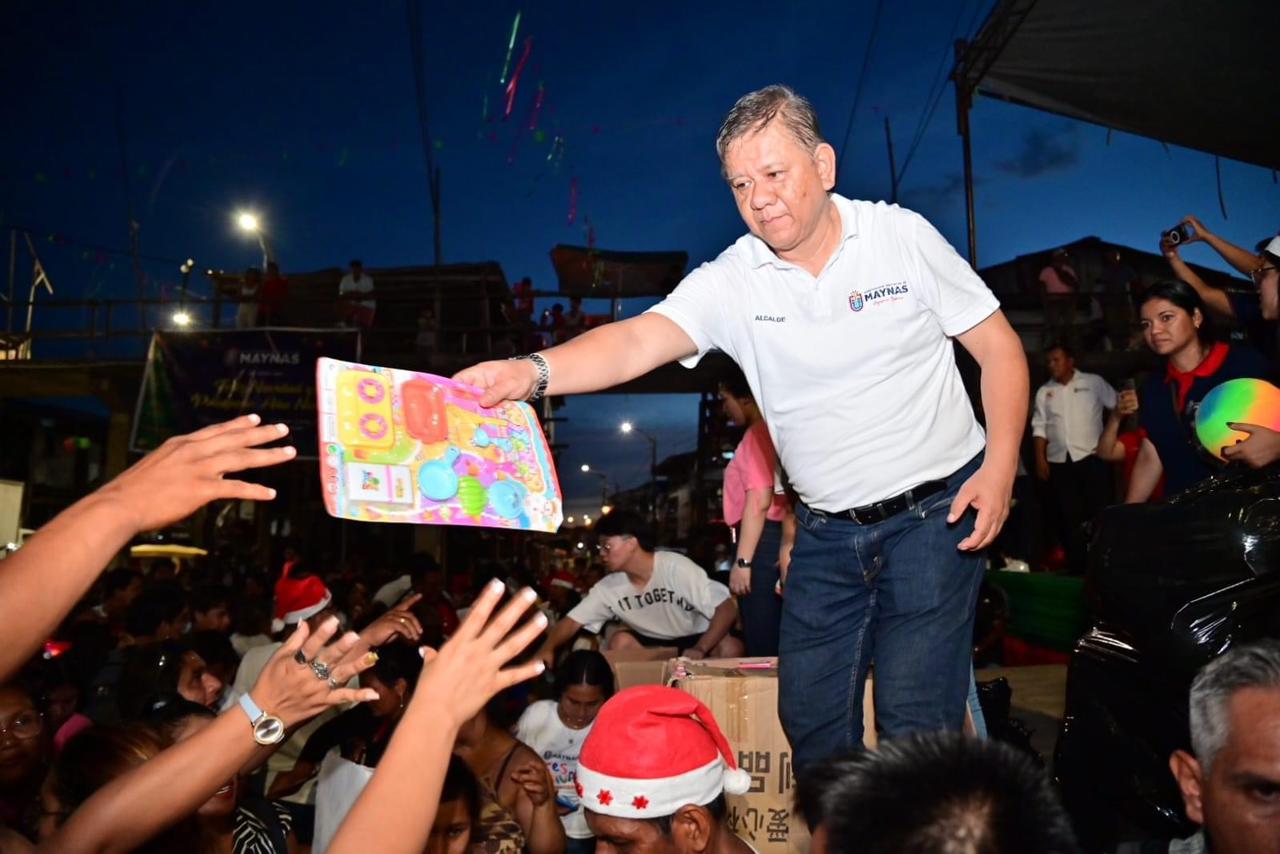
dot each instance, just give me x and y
(1199, 75)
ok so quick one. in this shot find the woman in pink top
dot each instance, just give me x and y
(751, 506)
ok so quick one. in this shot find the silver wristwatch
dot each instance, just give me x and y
(544, 375)
(267, 729)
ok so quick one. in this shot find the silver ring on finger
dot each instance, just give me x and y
(333, 684)
(320, 669)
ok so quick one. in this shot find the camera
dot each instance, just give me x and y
(1180, 233)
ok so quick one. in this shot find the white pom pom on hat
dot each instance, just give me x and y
(736, 781)
(653, 750)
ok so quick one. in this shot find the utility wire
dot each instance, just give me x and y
(862, 79)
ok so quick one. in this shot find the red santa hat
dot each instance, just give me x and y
(565, 580)
(298, 599)
(653, 750)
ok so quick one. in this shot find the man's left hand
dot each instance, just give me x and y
(1262, 448)
(988, 492)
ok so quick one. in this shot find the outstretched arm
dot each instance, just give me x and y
(44, 579)
(395, 811)
(136, 806)
(600, 358)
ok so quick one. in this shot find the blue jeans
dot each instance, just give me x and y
(897, 593)
(762, 608)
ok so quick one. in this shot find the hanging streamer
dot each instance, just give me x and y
(514, 84)
(511, 43)
(1217, 171)
(573, 200)
(537, 107)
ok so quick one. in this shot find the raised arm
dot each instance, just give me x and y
(1215, 298)
(44, 579)
(1240, 258)
(394, 813)
(726, 614)
(598, 359)
(136, 806)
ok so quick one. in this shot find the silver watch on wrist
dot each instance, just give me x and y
(544, 375)
(267, 729)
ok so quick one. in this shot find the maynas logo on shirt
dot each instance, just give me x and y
(885, 293)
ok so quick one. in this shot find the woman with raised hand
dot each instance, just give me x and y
(455, 685)
(169, 484)
(304, 678)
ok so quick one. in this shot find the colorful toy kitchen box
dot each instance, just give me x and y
(402, 446)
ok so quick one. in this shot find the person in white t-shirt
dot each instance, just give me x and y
(1066, 421)
(556, 729)
(360, 311)
(661, 598)
(844, 316)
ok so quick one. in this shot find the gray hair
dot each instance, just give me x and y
(1256, 665)
(756, 109)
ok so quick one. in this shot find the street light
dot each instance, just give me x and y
(604, 482)
(627, 428)
(250, 223)
(181, 318)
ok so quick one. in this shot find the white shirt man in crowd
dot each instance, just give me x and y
(661, 598)
(841, 315)
(360, 311)
(1066, 421)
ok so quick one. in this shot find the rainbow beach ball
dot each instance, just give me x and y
(1244, 401)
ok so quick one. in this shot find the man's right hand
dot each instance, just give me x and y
(504, 379)
(1042, 469)
(1127, 403)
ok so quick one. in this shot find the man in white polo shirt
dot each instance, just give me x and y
(841, 314)
(1066, 422)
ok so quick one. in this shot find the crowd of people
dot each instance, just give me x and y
(263, 299)
(165, 713)
(1095, 445)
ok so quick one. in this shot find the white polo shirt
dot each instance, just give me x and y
(1069, 416)
(853, 370)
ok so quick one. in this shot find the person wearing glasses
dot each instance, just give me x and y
(24, 752)
(661, 598)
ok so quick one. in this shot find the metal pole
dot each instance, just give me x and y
(964, 100)
(13, 260)
(893, 169)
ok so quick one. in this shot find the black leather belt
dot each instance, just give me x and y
(869, 514)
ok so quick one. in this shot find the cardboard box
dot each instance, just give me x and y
(633, 667)
(742, 693)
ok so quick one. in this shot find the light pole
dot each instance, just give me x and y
(249, 223)
(627, 428)
(604, 485)
(181, 317)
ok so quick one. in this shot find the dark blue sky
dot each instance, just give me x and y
(306, 112)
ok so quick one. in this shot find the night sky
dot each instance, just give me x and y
(307, 113)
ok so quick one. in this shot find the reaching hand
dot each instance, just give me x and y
(507, 379)
(187, 472)
(294, 692)
(1127, 403)
(1199, 232)
(1262, 448)
(398, 622)
(740, 580)
(987, 492)
(470, 669)
(533, 779)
